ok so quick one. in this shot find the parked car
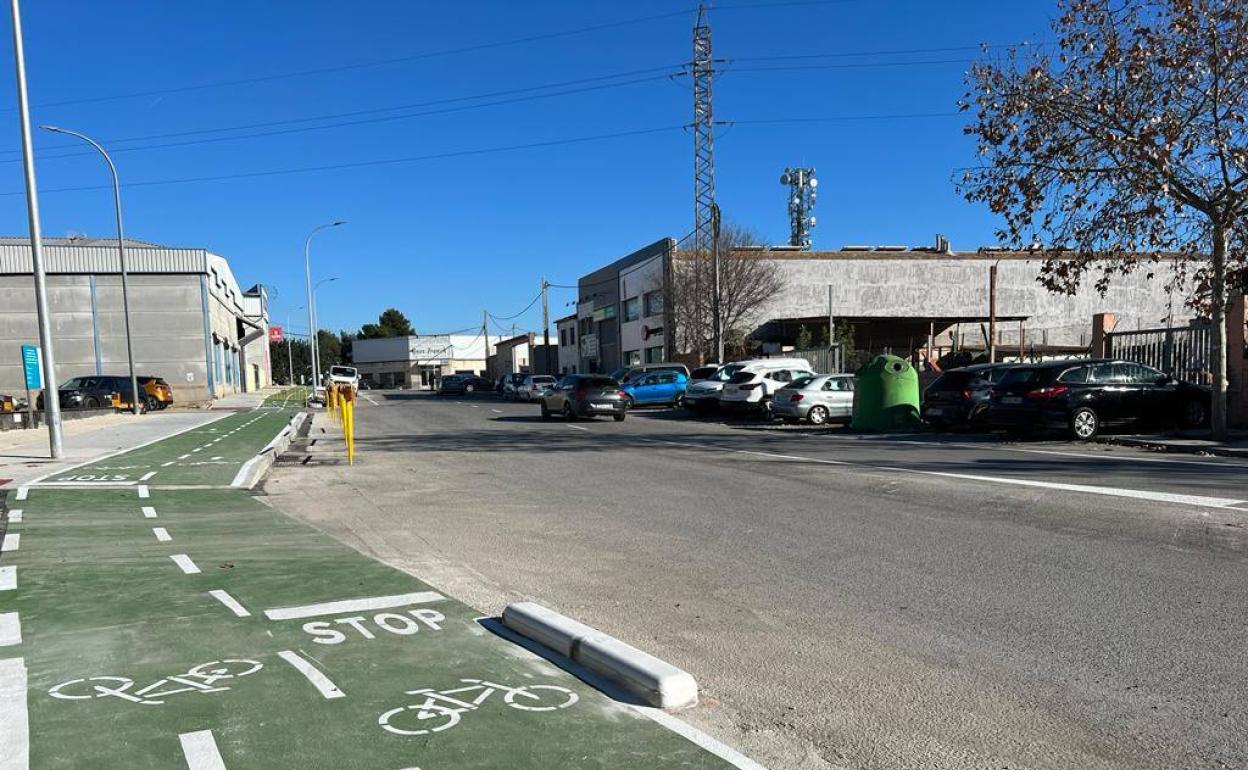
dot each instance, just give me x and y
(1081, 397)
(662, 387)
(8, 404)
(585, 395)
(626, 374)
(94, 392)
(959, 397)
(703, 373)
(457, 384)
(752, 389)
(159, 393)
(533, 386)
(816, 399)
(510, 383)
(703, 395)
(343, 375)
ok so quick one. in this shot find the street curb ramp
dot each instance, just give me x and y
(657, 682)
(255, 469)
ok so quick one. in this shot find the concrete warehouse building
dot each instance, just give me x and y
(893, 297)
(190, 322)
(418, 361)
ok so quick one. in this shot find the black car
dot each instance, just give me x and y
(959, 397)
(456, 384)
(94, 392)
(1080, 397)
(585, 395)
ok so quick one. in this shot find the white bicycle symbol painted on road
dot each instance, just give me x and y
(440, 711)
(199, 679)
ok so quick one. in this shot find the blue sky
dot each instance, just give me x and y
(443, 238)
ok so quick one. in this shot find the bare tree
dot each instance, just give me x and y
(1121, 144)
(747, 281)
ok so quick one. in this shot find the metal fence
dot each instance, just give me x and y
(1185, 353)
(824, 360)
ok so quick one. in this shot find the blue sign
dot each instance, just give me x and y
(30, 362)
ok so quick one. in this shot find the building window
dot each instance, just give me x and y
(654, 303)
(654, 355)
(571, 335)
(563, 337)
(632, 309)
(632, 357)
(587, 326)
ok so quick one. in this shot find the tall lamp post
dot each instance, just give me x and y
(51, 397)
(121, 252)
(307, 269)
(315, 336)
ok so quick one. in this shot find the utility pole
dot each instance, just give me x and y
(51, 395)
(546, 328)
(802, 184)
(717, 319)
(290, 360)
(834, 365)
(485, 334)
(992, 314)
(703, 71)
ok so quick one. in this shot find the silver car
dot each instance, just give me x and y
(817, 399)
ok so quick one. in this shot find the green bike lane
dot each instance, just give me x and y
(200, 628)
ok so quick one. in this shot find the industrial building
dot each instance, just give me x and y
(191, 323)
(418, 361)
(893, 298)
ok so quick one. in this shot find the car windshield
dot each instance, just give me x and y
(741, 377)
(703, 372)
(725, 373)
(341, 371)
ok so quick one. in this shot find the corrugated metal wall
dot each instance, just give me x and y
(16, 260)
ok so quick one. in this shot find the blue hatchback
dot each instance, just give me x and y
(665, 387)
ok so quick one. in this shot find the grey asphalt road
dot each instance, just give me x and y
(845, 602)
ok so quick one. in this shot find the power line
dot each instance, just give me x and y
(365, 65)
(850, 66)
(672, 70)
(892, 52)
(363, 121)
(366, 163)
(517, 315)
(841, 118)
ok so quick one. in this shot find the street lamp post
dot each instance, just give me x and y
(315, 337)
(51, 396)
(121, 252)
(307, 269)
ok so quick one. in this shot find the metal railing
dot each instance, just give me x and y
(1185, 353)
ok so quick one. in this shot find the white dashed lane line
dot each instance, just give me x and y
(162, 534)
(576, 427)
(185, 564)
(143, 492)
(12, 541)
(21, 493)
(200, 750)
(14, 724)
(8, 578)
(314, 675)
(149, 512)
(15, 516)
(147, 475)
(230, 602)
(10, 629)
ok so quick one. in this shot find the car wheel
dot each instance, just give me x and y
(818, 415)
(979, 419)
(91, 403)
(1195, 413)
(545, 412)
(149, 405)
(469, 388)
(1084, 424)
(619, 417)
(567, 412)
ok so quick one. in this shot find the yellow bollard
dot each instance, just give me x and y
(348, 423)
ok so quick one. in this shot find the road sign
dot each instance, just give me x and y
(30, 363)
(276, 334)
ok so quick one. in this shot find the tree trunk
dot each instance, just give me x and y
(1218, 402)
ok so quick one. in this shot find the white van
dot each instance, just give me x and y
(343, 375)
(752, 387)
(705, 394)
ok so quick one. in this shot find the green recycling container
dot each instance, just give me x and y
(886, 395)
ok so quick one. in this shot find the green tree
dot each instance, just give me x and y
(281, 364)
(391, 323)
(805, 340)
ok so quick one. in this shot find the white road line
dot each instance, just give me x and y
(200, 750)
(183, 457)
(21, 493)
(197, 449)
(166, 465)
(691, 733)
(474, 406)
(11, 542)
(1137, 494)
(8, 578)
(497, 411)
(143, 493)
(576, 427)
(147, 475)
(10, 629)
(149, 512)
(353, 605)
(184, 562)
(230, 602)
(15, 516)
(14, 724)
(321, 682)
(162, 534)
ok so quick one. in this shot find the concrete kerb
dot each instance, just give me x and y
(1170, 446)
(255, 469)
(657, 682)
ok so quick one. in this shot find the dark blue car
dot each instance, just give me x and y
(666, 388)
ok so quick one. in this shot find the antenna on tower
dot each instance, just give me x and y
(801, 183)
